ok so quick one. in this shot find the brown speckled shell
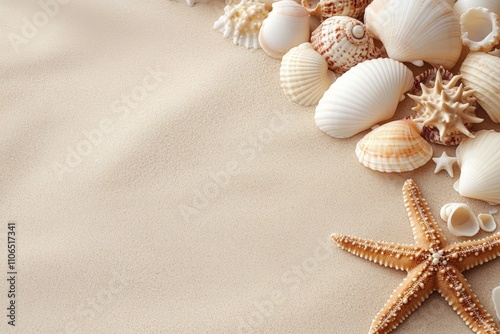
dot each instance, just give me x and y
(328, 8)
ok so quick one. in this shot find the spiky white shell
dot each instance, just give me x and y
(461, 6)
(367, 94)
(328, 8)
(480, 29)
(416, 31)
(344, 42)
(479, 161)
(480, 71)
(242, 22)
(394, 147)
(304, 75)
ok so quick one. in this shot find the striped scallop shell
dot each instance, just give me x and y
(394, 147)
(367, 94)
(480, 71)
(479, 161)
(304, 75)
(416, 31)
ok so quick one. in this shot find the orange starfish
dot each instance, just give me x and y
(432, 265)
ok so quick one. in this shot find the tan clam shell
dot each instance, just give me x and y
(304, 75)
(344, 42)
(328, 8)
(480, 71)
(394, 147)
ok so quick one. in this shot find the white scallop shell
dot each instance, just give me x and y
(479, 161)
(286, 27)
(304, 75)
(481, 72)
(416, 31)
(242, 22)
(394, 147)
(480, 29)
(461, 6)
(460, 219)
(367, 94)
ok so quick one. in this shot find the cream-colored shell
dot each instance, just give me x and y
(344, 42)
(460, 219)
(496, 300)
(416, 31)
(286, 26)
(487, 222)
(479, 161)
(367, 94)
(481, 72)
(394, 147)
(242, 22)
(328, 8)
(480, 29)
(304, 75)
(461, 6)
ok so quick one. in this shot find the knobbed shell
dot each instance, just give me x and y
(344, 42)
(328, 8)
(480, 29)
(461, 6)
(242, 22)
(416, 31)
(394, 147)
(479, 161)
(480, 71)
(304, 75)
(286, 27)
(367, 94)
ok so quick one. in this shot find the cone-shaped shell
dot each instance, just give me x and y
(304, 75)
(480, 71)
(344, 42)
(479, 161)
(367, 94)
(394, 147)
(416, 31)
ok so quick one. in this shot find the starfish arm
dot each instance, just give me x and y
(453, 286)
(467, 255)
(405, 299)
(425, 229)
(402, 257)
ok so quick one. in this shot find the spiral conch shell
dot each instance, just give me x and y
(416, 30)
(480, 29)
(242, 22)
(344, 42)
(480, 71)
(394, 147)
(304, 75)
(479, 161)
(328, 8)
(367, 94)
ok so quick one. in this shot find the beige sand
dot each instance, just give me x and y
(113, 234)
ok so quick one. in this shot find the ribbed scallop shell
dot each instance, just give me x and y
(367, 94)
(304, 75)
(394, 147)
(344, 42)
(480, 29)
(416, 31)
(328, 8)
(479, 161)
(461, 6)
(480, 71)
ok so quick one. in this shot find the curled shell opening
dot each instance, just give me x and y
(480, 29)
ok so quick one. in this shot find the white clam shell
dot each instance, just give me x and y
(461, 6)
(460, 219)
(304, 75)
(487, 222)
(496, 300)
(394, 147)
(480, 29)
(480, 71)
(479, 161)
(367, 94)
(416, 31)
(286, 26)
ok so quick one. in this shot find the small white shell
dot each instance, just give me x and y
(479, 161)
(304, 75)
(480, 29)
(394, 147)
(461, 221)
(416, 31)
(367, 94)
(481, 72)
(487, 222)
(461, 6)
(286, 27)
(496, 300)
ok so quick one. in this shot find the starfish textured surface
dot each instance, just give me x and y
(432, 265)
(444, 162)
